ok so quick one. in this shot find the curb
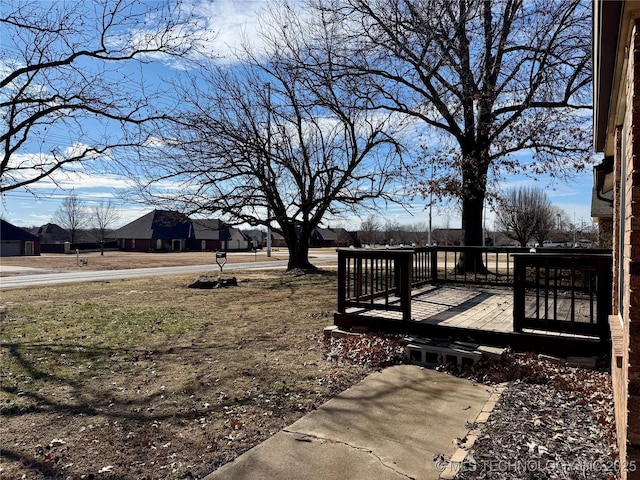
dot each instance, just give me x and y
(456, 461)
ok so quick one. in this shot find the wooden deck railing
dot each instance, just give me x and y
(570, 289)
(376, 280)
(498, 262)
(564, 292)
(383, 279)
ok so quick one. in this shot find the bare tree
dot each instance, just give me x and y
(276, 139)
(417, 233)
(547, 225)
(370, 230)
(71, 215)
(523, 212)
(486, 78)
(104, 216)
(589, 231)
(71, 87)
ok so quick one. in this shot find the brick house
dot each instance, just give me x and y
(15, 241)
(331, 237)
(51, 233)
(213, 235)
(616, 70)
(157, 231)
(169, 231)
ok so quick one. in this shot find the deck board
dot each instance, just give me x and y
(461, 307)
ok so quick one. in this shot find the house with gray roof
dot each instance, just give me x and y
(157, 231)
(51, 233)
(170, 231)
(331, 237)
(214, 235)
(15, 241)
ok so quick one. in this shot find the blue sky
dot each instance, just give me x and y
(234, 20)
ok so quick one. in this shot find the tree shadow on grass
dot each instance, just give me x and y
(41, 403)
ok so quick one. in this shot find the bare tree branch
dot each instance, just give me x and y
(277, 140)
(487, 78)
(525, 213)
(105, 215)
(71, 215)
(71, 76)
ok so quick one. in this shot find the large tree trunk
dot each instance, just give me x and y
(298, 246)
(473, 194)
(299, 257)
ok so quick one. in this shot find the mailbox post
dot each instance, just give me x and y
(221, 259)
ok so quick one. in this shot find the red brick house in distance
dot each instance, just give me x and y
(616, 70)
(169, 231)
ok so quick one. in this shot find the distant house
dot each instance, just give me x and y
(15, 241)
(207, 235)
(51, 233)
(214, 235)
(258, 238)
(331, 237)
(235, 240)
(157, 231)
(277, 240)
(169, 231)
(321, 237)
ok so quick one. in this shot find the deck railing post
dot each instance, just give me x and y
(358, 277)
(434, 265)
(403, 267)
(342, 281)
(519, 290)
(397, 274)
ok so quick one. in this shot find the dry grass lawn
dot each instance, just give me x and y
(146, 379)
(113, 260)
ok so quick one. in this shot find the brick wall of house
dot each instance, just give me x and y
(618, 359)
(632, 268)
(626, 358)
(615, 253)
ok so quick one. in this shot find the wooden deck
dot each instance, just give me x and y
(556, 302)
(477, 314)
(486, 309)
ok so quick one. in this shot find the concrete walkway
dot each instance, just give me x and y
(389, 426)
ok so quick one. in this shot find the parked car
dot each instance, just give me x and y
(584, 244)
(552, 244)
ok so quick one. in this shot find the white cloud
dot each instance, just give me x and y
(232, 22)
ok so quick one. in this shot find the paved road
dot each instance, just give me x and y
(42, 279)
